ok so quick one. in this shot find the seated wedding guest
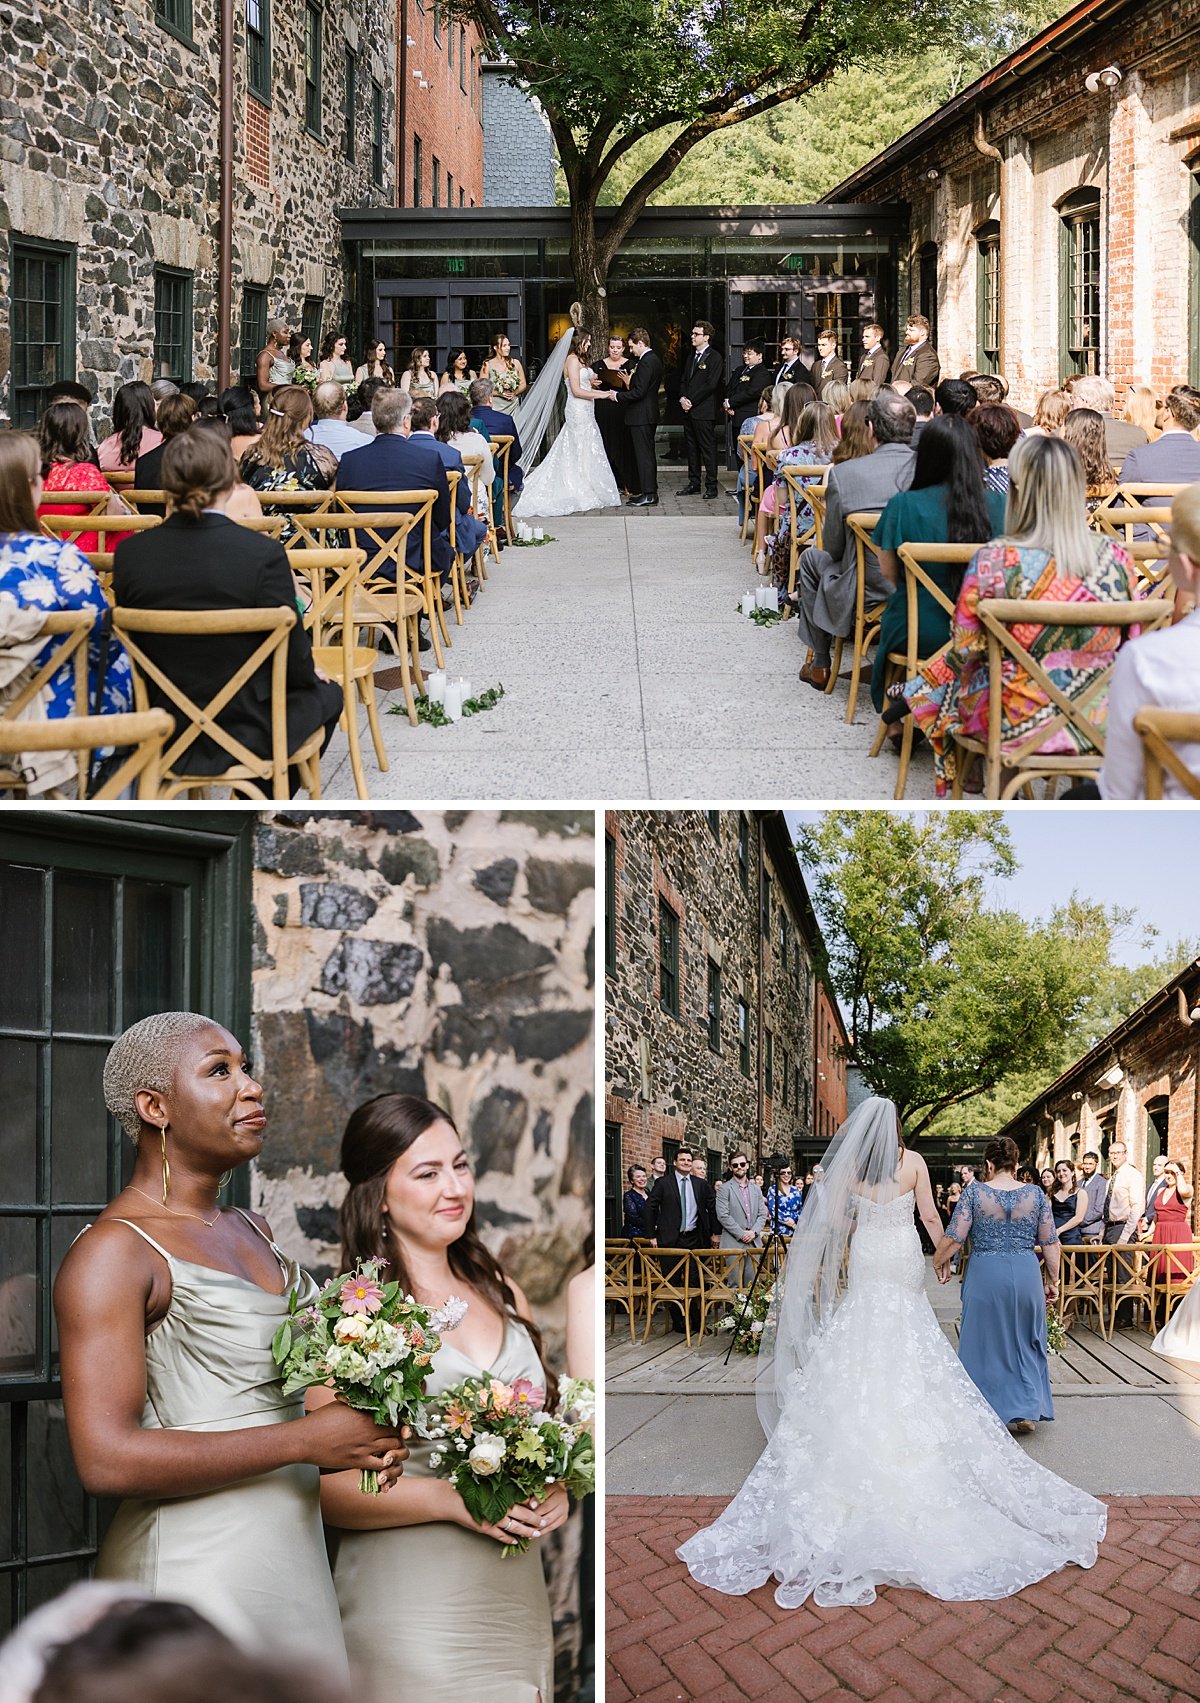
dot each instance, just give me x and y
(946, 503)
(992, 389)
(244, 504)
(189, 1670)
(996, 429)
(954, 396)
(459, 372)
(330, 427)
(812, 440)
(1120, 436)
(494, 421)
(1142, 409)
(418, 379)
(633, 1203)
(274, 366)
(1174, 455)
(360, 406)
(836, 394)
(50, 574)
(411, 1199)
(282, 459)
(1047, 552)
(66, 464)
(828, 577)
(134, 431)
(747, 428)
(862, 390)
(1160, 670)
(391, 461)
(300, 351)
(770, 434)
(69, 390)
(242, 413)
(424, 423)
(199, 559)
(1051, 410)
(923, 405)
(375, 363)
(855, 439)
(1083, 429)
(454, 412)
(175, 415)
(161, 388)
(334, 367)
(918, 360)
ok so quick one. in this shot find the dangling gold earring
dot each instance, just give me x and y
(166, 1165)
(224, 1182)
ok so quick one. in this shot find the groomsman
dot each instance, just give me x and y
(828, 368)
(874, 363)
(918, 361)
(741, 397)
(741, 1213)
(698, 397)
(791, 369)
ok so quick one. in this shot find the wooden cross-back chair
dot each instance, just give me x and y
(333, 578)
(917, 561)
(71, 628)
(671, 1280)
(71, 527)
(622, 1279)
(458, 562)
(1159, 730)
(144, 734)
(1122, 521)
(1000, 617)
(750, 489)
(382, 530)
(867, 616)
(483, 509)
(246, 773)
(92, 502)
(501, 444)
(799, 493)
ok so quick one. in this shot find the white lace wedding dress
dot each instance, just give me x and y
(1179, 1339)
(887, 1466)
(574, 475)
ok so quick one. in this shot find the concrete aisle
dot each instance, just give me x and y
(629, 674)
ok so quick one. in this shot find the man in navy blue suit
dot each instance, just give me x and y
(393, 461)
(424, 422)
(496, 420)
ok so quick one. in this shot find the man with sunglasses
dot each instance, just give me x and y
(741, 1212)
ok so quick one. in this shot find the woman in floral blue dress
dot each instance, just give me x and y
(47, 573)
(790, 1197)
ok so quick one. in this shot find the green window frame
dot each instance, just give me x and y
(437, 20)
(348, 138)
(714, 1005)
(436, 182)
(987, 298)
(312, 313)
(254, 328)
(764, 896)
(377, 134)
(610, 905)
(462, 57)
(768, 1063)
(258, 48)
(416, 166)
(173, 322)
(614, 1180)
(108, 924)
(314, 20)
(713, 818)
(42, 312)
(668, 958)
(175, 16)
(743, 1013)
(1080, 325)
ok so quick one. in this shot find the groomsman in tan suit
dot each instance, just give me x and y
(874, 363)
(827, 368)
(918, 360)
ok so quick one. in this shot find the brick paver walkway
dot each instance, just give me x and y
(1129, 1627)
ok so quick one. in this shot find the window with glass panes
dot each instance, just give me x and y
(743, 852)
(437, 20)
(768, 1063)
(668, 958)
(175, 15)
(1079, 284)
(313, 18)
(714, 1005)
(927, 287)
(254, 328)
(713, 818)
(436, 183)
(172, 324)
(311, 313)
(376, 133)
(462, 58)
(348, 141)
(258, 47)
(783, 939)
(416, 183)
(449, 189)
(743, 1037)
(783, 1073)
(614, 1182)
(42, 309)
(101, 927)
(764, 894)
(610, 905)
(987, 298)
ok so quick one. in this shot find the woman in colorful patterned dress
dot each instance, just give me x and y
(67, 466)
(1047, 553)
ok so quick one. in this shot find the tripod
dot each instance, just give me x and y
(771, 1250)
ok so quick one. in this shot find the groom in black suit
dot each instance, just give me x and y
(680, 1210)
(699, 392)
(640, 401)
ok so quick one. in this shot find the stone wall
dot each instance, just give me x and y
(108, 143)
(518, 149)
(664, 1080)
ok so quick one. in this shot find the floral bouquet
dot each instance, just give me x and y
(747, 1323)
(498, 1446)
(369, 1343)
(1057, 1340)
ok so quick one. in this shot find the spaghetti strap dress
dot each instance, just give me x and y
(251, 1556)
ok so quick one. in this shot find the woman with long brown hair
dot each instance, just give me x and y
(66, 457)
(1083, 429)
(282, 459)
(402, 1558)
(506, 373)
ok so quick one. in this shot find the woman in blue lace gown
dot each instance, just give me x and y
(1002, 1342)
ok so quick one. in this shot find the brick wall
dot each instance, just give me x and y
(447, 118)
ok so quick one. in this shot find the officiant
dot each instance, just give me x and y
(611, 372)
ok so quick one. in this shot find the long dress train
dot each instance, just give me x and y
(574, 475)
(887, 1467)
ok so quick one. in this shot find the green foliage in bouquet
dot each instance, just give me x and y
(747, 1322)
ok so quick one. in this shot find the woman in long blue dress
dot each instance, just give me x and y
(1002, 1341)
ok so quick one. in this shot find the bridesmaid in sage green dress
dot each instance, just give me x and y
(432, 1612)
(166, 1310)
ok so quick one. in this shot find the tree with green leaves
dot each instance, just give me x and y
(945, 995)
(610, 74)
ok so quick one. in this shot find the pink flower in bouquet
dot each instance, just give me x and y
(361, 1296)
(528, 1394)
(502, 1396)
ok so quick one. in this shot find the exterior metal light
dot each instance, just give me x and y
(1110, 77)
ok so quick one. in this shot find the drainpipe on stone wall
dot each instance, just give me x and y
(758, 927)
(225, 204)
(990, 151)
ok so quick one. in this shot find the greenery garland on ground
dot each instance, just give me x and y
(436, 716)
(762, 617)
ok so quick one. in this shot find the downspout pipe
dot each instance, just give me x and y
(225, 201)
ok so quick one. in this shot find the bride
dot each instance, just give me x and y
(884, 1464)
(575, 475)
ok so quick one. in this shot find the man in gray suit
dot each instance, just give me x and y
(1175, 456)
(1120, 436)
(828, 577)
(741, 1213)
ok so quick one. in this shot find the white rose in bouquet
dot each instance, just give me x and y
(484, 1459)
(352, 1327)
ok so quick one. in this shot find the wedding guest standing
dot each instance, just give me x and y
(430, 1610)
(633, 1205)
(166, 1309)
(741, 1211)
(1069, 1204)
(1172, 1224)
(784, 1199)
(1002, 1342)
(506, 374)
(699, 391)
(742, 390)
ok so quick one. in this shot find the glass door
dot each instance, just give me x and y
(768, 309)
(413, 313)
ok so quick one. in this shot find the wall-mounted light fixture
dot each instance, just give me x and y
(1110, 77)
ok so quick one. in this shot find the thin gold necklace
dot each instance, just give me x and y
(174, 1211)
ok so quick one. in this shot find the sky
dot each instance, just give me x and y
(1141, 858)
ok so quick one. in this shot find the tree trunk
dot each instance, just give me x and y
(589, 266)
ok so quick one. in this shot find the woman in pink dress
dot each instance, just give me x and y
(134, 432)
(1172, 1225)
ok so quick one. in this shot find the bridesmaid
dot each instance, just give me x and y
(166, 1310)
(507, 374)
(472, 1624)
